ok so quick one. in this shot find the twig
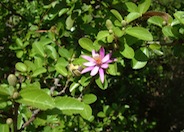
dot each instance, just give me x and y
(15, 116)
(64, 89)
(31, 119)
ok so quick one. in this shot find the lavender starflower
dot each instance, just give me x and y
(97, 63)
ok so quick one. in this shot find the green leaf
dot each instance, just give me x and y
(156, 20)
(69, 104)
(21, 67)
(112, 69)
(6, 91)
(61, 61)
(39, 71)
(39, 48)
(62, 11)
(140, 33)
(73, 86)
(101, 85)
(128, 52)
(141, 58)
(19, 42)
(132, 7)
(36, 98)
(86, 44)
(53, 54)
(118, 32)
(167, 31)
(86, 113)
(89, 98)
(4, 127)
(117, 14)
(45, 41)
(85, 80)
(69, 22)
(102, 34)
(19, 53)
(61, 69)
(143, 7)
(64, 53)
(154, 46)
(30, 65)
(179, 15)
(132, 16)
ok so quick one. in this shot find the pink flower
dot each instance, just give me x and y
(97, 63)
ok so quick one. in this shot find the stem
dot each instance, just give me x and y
(35, 113)
(15, 116)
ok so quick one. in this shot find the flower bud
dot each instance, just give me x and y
(9, 121)
(109, 24)
(123, 23)
(12, 79)
(15, 95)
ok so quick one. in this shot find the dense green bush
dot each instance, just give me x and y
(132, 49)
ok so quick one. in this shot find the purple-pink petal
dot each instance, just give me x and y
(101, 73)
(94, 53)
(94, 71)
(87, 69)
(102, 52)
(104, 66)
(106, 58)
(89, 63)
(88, 58)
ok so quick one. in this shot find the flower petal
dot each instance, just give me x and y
(94, 71)
(89, 63)
(87, 69)
(102, 52)
(101, 73)
(93, 53)
(106, 58)
(104, 66)
(88, 58)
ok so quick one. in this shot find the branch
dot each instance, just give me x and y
(35, 113)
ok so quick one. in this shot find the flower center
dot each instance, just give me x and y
(98, 60)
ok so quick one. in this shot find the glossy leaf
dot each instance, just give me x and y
(21, 67)
(89, 98)
(73, 86)
(4, 127)
(127, 52)
(112, 69)
(102, 34)
(140, 33)
(19, 42)
(39, 48)
(101, 85)
(53, 54)
(156, 20)
(86, 113)
(143, 7)
(117, 14)
(167, 31)
(69, 22)
(36, 98)
(39, 71)
(141, 58)
(118, 32)
(61, 69)
(179, 15)
(69, 104)
(132, 16)
(132, 7)
(86, 44)
(64, 53)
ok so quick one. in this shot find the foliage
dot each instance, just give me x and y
(42, 88)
